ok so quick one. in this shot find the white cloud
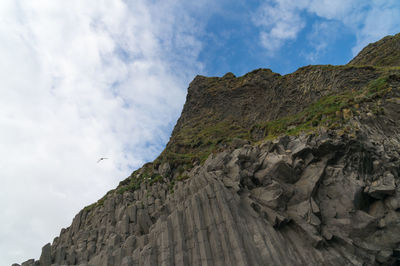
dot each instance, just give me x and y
(321, 35)
(82, 80)
(337, 10)
(280, 21)
(381, 19)
(87, 79)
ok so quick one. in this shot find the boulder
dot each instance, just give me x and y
(382, 187)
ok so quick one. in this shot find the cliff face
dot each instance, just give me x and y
(385, 52)
(263, 169)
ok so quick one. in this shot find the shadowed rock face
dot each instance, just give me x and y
(306, 173)
(220, 110)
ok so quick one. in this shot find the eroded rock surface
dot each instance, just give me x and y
(328, 196)
(293, 201)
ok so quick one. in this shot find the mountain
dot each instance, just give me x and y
(385, 52)
(262, 169)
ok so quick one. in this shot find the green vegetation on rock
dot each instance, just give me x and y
(385, 52)
(98, 203)
(194, 144)
(206, 131)
(330, 111)
(148, 176)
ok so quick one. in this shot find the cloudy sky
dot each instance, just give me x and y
(84, 79)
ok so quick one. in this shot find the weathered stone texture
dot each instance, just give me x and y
(322, 198)
(321, 213)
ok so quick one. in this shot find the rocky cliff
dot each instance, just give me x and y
(263, 169)
(385, 52)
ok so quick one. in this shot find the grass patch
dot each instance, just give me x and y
(98, 203)
(329, 111)
(182, 177)
(171, 186)
(194, 143)
(148, 176)
(197, 139)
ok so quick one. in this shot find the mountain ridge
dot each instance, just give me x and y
(263, 168)
(385, 52)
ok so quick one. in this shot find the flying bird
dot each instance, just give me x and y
(101, 159)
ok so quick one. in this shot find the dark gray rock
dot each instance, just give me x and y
(29, 262)
(252, 190)
(127, 261)
(164, 169)
(284, 172)
(329, 197)
(45, 257)
(382, 187)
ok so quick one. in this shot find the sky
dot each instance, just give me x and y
(88, 79)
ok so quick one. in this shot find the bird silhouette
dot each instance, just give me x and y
(101, 159)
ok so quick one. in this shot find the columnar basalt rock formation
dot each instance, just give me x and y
(263, 169)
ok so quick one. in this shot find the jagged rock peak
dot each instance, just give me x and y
(385, 52)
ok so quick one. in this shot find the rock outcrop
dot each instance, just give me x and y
(385, 52)
(302, 169)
